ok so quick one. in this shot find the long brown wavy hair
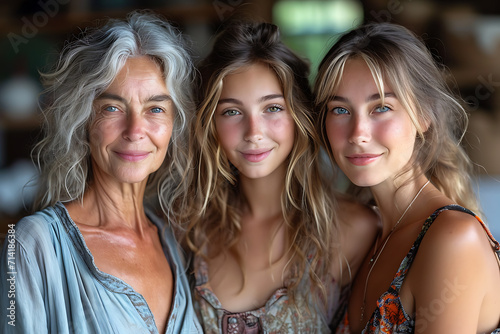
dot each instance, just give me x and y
(397, 56)
(211, 209)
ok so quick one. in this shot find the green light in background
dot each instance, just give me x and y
(310, 26)
(317, 17)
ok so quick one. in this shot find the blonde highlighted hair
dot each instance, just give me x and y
(212, 211)
(395, 55)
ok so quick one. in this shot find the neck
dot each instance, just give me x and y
(263, 195)
(263, 233)
(107, 204)
(395, 202)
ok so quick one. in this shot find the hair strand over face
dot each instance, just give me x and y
(213, 215)
(396, 56)
(87, 66)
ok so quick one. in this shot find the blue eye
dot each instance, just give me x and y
(382, 109)
(275, 108)
(111, 109)
(156, 110)
(231, 112)
(340, 111)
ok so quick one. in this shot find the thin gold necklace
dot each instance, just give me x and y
(375, 257)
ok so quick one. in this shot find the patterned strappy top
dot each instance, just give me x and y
(277, 316)
(390, 316)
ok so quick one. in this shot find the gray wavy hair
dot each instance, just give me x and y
(86, 67)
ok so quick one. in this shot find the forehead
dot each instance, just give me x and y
(137, 68)
(358, 76)
(251, 79)
(138, 74)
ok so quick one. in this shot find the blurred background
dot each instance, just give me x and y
(464, 35)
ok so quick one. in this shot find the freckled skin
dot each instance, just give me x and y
(372, 142)
(363, 129)
(128, 124)
(256, 132)
(263, 121)
(129, 140)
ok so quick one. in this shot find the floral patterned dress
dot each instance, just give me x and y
(390, 316)
(278, 315)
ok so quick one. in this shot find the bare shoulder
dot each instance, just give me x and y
(455, 266)
(359, 225)
(455, 230)
(456, 245)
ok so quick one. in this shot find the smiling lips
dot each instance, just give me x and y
(362, 159)
(256, 155)
(133, 156)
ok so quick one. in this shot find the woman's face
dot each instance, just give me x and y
(371, 142)
(133, 124)
(254, 126)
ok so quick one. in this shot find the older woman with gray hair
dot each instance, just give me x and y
(95, 258)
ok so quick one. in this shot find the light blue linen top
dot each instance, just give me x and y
(50, 284)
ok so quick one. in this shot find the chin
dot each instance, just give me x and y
(363, 181)
(132, 177)
(254, 175)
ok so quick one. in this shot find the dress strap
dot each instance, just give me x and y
(408, 260)
(493, 241)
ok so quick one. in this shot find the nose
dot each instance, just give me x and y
(134, 128)
(360, 129)
(254, 130)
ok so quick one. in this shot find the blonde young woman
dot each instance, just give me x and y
(271, 253)
(391, 124)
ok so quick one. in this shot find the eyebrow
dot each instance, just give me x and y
(262, 99)
(370, 98)
(153, 98)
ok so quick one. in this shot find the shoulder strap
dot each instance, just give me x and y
(494, 243)
(408, 260)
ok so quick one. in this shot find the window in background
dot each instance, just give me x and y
(310, 26)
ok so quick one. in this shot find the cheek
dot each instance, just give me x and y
(159, 129)
(401, 134)
(284, 129)
(102, 132)
(162, 132)
(227, 133)
(409, 138)
(335, 133)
